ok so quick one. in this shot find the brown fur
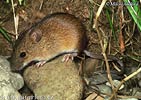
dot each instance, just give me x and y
(54, 35)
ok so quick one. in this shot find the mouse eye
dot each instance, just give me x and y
(22, 54)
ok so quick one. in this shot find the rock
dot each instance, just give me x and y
(9, 85)
(104, 89)
(57, 80)
(90, 66)
(136, 92)
(116, 83)
(129, 99)
(4, 64)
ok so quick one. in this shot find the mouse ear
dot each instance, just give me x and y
(36, 35)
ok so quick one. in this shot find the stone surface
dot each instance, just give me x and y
(57, 80)
(10, 82)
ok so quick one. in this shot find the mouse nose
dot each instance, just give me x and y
(14, 66)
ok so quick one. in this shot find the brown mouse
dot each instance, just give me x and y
(54, 35)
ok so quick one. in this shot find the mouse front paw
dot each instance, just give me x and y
(68, 57)
(40, 63)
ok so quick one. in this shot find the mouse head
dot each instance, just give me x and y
(26, 49)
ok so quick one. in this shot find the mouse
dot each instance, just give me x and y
(54, 35)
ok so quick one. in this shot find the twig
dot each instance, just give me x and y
(42, 1)
(121, 38)
(102, 46)
(126, 79)
(105, 58)
(16, 19)
(98, 12)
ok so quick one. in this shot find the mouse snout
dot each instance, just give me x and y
(14, 64)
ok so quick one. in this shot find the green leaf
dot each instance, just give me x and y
(134, 10)
(5, 35)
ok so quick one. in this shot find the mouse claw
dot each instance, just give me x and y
(40, 63)
(67, 57)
